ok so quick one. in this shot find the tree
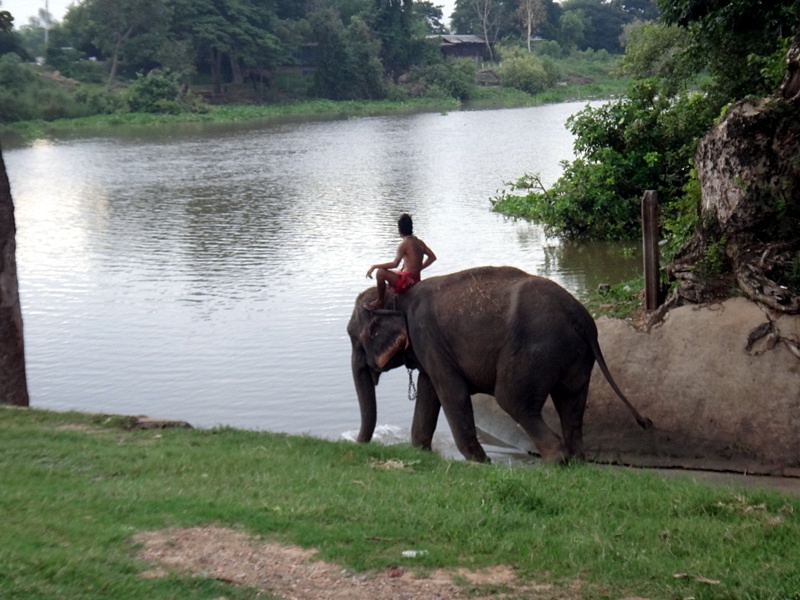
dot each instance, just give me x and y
(642, 10)
(573, 25)
(9, 39)
(487, 13)
(603, 23)
(657, 50)
(741, 43)
(202, 26)
(13, 384)
(392, 24)
(6, 21)
(113, 26)
(747, 177)
(532, 13)
(347, 65)
(430, 15)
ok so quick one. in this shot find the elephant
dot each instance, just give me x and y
(491, 330)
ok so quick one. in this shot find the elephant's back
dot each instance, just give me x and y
(471, 292)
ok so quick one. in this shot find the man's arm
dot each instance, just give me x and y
(389, 265)
(429, 257)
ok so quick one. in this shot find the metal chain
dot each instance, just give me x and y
(412, 389)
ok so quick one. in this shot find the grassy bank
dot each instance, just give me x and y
(76, 488)
(30, 130)
(484, 98)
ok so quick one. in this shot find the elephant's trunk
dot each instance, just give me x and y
(365, 388)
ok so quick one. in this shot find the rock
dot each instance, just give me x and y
(714, 404)
(144, 422)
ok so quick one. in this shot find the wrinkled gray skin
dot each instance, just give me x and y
(492, 330)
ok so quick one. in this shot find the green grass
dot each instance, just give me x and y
(618, 301)
(76, 488)
(483, 98)
(28, 130)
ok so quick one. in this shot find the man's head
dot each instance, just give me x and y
(404, 225)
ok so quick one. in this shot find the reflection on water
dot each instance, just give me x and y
(209, 275)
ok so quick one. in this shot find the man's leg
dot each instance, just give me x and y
(383, 277)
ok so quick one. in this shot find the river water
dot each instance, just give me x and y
(207, 273)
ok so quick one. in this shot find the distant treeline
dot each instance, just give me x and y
(355, 49)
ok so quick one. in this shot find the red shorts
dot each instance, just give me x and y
(404, 281)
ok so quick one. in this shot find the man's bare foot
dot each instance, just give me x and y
(374, 305)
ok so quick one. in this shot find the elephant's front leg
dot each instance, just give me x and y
(457, 405)
(426, 413)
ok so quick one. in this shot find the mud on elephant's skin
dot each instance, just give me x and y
(492, 330)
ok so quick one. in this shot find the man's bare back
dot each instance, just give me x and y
(414, 255)
(412, 252)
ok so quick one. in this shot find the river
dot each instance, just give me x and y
(207, 273)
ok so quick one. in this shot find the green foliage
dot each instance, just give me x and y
(715, 260)
(685, 216)
(643, 142)
(78, 489)
(740, 43)
(392, 25)
(788, 272)
(25, 94)
(528, 72)
(618, 301)
(549, 48)
(658, 50)
(154, 93)
(600, 24)
(454, 78)
(99, 101)
(347, 64)
(6, 21)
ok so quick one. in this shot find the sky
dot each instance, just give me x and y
(448, 6)
(22, 10)
(25, 9)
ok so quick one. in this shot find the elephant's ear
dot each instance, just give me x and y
(386, 336)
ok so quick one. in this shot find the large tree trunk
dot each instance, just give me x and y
(13, 385)
(748, 167)
(115, 58)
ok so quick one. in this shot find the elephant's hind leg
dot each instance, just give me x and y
(525, 407)
(570, 406)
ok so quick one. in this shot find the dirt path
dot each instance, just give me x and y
(292, 573)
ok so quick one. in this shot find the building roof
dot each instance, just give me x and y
(454, 40)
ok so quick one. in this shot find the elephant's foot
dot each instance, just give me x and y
(474, 452)
(554, 454)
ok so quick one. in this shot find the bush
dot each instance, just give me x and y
(98, 101)
(526, 73)
(154, 93)
(549, 48)
(25, 96)
(454, 78)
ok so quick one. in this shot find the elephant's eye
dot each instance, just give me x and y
(373, 330)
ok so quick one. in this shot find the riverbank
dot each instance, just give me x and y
(94, 509)
(483, 99)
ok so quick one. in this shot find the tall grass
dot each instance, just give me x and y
(75, 488)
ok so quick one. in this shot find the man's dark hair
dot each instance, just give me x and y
(404, 225)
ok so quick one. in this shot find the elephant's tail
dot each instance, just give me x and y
(643, 422)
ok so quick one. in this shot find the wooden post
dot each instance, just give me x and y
(650, 244)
